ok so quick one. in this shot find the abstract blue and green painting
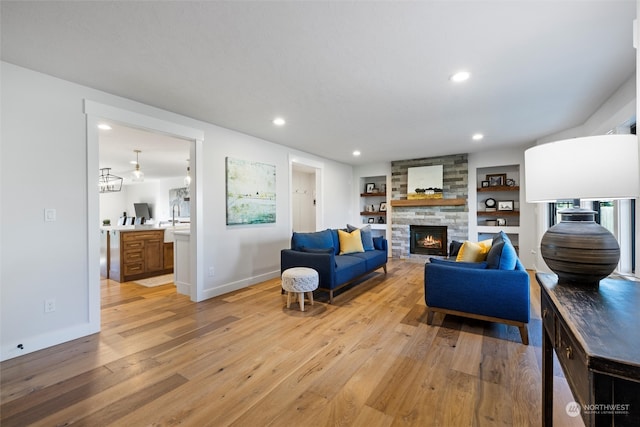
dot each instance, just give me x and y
(251, 192)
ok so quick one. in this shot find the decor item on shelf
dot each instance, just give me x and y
(187, 179)
(490, 204)
(501, 221)
(484, 184)
(380, 220)
(510, 182)
(383, 207)
(496, 179)
(505, 205)
(491, 222)
(383, 188)
(368, 187)
(578, 249)
(370, 221)
(137, 175)
(109, 183)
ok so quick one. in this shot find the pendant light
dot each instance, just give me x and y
(137, 175)
(187, 179)
(108, 183)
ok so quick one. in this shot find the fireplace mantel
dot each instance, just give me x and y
(428, 202)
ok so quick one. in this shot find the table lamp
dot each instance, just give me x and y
(605, 167)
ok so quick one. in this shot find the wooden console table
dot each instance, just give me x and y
(596, 336)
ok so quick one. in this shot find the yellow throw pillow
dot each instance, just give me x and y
(474, 252)
(350, 242)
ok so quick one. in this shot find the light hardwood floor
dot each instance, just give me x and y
(243, 359)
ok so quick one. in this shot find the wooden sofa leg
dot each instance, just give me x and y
(430, 317)
(330, 297)
(524, 334)
(384, 267)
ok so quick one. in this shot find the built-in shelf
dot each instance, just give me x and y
(499, 188)
(373, 194)
(496, 228)
(379, 213)
(428, 202)
(498, 213)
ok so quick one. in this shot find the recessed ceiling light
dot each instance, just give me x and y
(104, 126)
(460, 76)
(356, 153)
(477, 136)
(279, 121)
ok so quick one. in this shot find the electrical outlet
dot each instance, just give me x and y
(50, 305)
(211, 271)
(49, 214)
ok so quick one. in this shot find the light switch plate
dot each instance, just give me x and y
(49, 214)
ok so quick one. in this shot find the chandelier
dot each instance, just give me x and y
(109, 183)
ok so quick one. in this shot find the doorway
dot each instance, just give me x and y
(96, 112)
(306, 195)
(149, 171)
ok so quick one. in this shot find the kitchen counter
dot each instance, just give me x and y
(137, 251)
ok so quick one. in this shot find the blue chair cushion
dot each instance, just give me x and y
(502, 256)
(452, 263)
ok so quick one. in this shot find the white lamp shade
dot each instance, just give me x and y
(601, 167)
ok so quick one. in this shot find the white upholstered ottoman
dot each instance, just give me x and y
(298, 280)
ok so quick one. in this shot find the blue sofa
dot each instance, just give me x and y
(321, 251)
(496, 290)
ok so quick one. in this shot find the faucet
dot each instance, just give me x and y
(173, 213)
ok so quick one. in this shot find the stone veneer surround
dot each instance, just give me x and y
(456, 218)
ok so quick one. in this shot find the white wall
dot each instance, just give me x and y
(44, 130)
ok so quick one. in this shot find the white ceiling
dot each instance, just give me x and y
(371, 76)
(161, 156)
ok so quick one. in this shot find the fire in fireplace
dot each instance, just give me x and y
(428, 239)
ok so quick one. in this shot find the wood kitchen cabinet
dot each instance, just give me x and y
(137, 254)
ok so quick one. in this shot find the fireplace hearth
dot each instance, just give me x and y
(428, 239)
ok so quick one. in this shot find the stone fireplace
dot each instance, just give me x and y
(428, 239)
(454, 217)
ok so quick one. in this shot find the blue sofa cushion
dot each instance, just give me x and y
(373, 259)
(378, 243)
(317, 240)
(348, 267)
(365, 235)
(336, 240)
(318, 250)
(502, 255)
(452, 263)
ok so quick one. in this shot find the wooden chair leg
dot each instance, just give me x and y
(288, 299)
(310, 295)
(301, 298)
(524, 334)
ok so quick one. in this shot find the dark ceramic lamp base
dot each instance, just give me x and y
(579, 250)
